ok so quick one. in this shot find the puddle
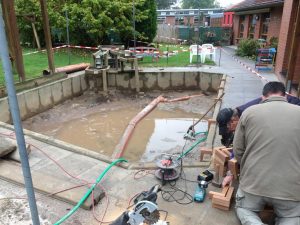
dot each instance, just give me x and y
(98, 126)
(161, 132)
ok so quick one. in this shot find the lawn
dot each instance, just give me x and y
(181, 59)
(35, 63)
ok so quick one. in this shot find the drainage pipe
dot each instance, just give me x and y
(69, 69)
(132, 124)
(87, 194)
(183, 98)
(15, 112)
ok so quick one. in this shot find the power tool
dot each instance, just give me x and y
(203, 179)
(145, 209)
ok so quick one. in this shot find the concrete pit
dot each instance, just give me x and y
(95, 122)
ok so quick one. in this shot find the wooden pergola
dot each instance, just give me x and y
(13, 37)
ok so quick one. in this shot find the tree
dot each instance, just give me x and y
(164, 4)
(147, 24)
(196, 4)
(90, 21)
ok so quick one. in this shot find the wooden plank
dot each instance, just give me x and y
(223, 201)
(203, 151)
(223, 193)
(220, 207)
(13, 36)
(219, 147)
(222, 155)
(218, 160)
(233, 167)
(220, 200)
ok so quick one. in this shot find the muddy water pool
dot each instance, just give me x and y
(100, 127)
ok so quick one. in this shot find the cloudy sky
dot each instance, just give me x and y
(225, 3)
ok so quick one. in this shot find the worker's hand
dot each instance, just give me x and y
(227, 180)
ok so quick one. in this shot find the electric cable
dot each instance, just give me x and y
(65, 171)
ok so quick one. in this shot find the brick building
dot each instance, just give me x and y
(288, 53)
(187, 17)
(264, 19)
(258, 19)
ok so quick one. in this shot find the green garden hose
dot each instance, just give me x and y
(193, 146)
(87, 194)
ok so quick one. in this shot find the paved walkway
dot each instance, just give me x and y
(242, 85)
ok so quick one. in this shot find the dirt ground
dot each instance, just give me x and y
(97, 122)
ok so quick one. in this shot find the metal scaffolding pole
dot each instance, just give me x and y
(15, 112)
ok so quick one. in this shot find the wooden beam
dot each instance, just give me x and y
(13, 36)
(47, 35)
(137, 77)
(293, 51)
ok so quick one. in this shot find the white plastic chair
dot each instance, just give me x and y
(209, 50)
(193, 51)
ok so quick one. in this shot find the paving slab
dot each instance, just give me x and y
(43, 183)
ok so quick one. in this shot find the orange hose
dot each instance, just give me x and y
(72, 68)
(132, 124)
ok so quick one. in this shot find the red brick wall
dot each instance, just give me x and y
(216, 22)
(170, 20)
(246, 26)
(296, 77)
(285, 37)
(275, 21)
(236, 20)
(257, 27)
(187, 22)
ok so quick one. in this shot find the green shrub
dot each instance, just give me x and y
(273, 42)
(247, 47)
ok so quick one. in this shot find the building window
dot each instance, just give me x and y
(252, 23)
(265, 22)
(241, 26)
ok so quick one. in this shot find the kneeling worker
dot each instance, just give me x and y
(267, 146)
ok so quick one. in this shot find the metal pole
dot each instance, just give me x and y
(15, 112)
(220, 55)
(134, 35)
(198, 37)
(68, 37)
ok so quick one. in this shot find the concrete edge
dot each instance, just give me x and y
(94, 155)
(153, 166)
(213, 127)
(64, 145)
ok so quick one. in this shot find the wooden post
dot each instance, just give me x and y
(36, 36)
(104, 77)
(13, 36)
(293, 54)
(47, 36)
(137, 77)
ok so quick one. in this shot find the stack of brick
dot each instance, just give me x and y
(222, 163)
(221, 200)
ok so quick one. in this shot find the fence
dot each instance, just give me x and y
(177, 34)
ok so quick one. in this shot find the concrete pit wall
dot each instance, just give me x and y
(164, 81)
(40, 99)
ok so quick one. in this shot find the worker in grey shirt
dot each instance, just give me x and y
(267, 146)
